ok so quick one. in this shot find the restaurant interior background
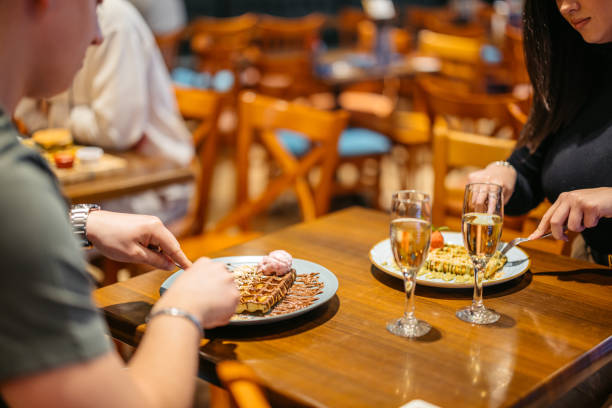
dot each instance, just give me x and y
(301, 108)
(416, 80)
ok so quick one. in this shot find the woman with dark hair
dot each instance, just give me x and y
(564, 152)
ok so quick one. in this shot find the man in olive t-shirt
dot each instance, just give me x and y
(53, 345)
(44, 283)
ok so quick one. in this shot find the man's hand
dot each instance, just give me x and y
(575, 210)
(129, 237)
(206, 290)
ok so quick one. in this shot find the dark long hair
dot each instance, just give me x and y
(563, 69)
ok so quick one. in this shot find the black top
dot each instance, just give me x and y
(577, 157)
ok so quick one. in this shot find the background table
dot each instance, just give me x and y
(141, 173)
(554, 331)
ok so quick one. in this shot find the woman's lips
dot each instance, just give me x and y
(578, 24)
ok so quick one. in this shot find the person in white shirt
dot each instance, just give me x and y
(122, 99)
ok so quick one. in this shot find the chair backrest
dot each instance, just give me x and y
(289, 34)
(443, 23)
(242, 384)
(202, 107)
(219, 41)
(459, 56)
(519, 118)
(516, 55)
(453, 149)
(348, 19)
(400, 40)
(448, 98)
(263, 116)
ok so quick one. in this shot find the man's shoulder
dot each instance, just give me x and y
(22, 167)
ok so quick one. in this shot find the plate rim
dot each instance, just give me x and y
(449, 285)
(257, 320)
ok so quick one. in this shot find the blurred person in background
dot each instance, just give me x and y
(122, 99)
(565, 149)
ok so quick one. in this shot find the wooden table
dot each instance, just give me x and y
(141, 173)
(336, 68)
(554, 331)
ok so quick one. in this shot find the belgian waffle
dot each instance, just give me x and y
(258, 292)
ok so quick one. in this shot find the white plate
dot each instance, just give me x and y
(518, 263)
(302, 267)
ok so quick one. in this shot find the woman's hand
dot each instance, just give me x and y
(575, 210)
(504, 176)
(129, 237)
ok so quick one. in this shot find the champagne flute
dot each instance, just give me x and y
(481, 224)
(410, 237)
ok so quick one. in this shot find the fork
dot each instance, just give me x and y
(517, 241)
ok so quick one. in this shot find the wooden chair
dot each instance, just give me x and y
(454, 149)
(455, 101)
(168, 46)
(515, 55)
(444, 22)
(263, 116)
(203, 107)
(460, 56)
(519, 118)
(243, 387)
(285, 60)
(401, 40)
(348, 20)
(220, 43)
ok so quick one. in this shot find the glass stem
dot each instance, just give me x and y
(409, 284)
(479, 270)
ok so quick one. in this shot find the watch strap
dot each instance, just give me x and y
(79, 214)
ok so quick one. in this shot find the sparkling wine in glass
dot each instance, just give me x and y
(481, 225)
(410, 236)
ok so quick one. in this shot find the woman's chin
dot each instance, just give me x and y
(596, 38)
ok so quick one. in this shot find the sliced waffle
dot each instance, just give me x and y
(258, 292)
(454, 259)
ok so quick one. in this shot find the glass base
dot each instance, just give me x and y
(477, 316)
(405, 328)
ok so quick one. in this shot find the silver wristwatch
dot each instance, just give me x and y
(78, 218)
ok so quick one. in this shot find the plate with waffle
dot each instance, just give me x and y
(268, 297)
(449, 266)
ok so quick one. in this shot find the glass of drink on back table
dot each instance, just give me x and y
(481, 225)
(410, 236)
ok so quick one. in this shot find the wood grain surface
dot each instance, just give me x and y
(555, 329)
(138, 174)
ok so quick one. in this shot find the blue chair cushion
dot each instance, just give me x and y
(353, 142)
(190, 78)
(293, 141)
(490, 54)
(223, 81)
(362, 142)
